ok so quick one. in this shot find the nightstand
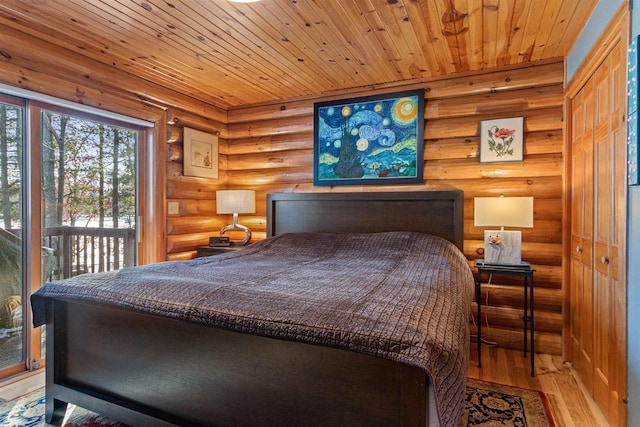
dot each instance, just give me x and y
(216, 250)
(526, 272)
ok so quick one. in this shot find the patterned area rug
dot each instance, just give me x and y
(28, 411)
(487, 404)
(490, 404)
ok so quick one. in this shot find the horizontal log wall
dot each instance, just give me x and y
(196, 219)
(270, 149)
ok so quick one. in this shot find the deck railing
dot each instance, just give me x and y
(79, 250)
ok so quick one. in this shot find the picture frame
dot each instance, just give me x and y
(632, 76)
(632, 149)
(502, 140)
(200, 155)
(370, 140)
(633, 177)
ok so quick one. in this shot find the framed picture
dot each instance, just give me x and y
(632, 149)
(502, 140)
(632, 78)
(632, 120)
(200, 153)
(369, 140)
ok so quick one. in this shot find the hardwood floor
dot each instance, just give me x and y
(570, 404)
(14, 387)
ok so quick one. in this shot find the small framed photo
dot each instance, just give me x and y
(632, 121)
(502, 140)
(370, 140)
(632, 77)
(200, 153)
(632, 149)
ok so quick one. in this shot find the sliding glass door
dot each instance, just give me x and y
(68, 194)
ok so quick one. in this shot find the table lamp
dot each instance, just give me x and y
(236, 202)
(501, 246)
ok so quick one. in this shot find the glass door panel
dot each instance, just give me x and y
(88, 195)
(12, 286)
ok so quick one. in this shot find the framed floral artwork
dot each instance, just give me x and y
(370, 140)
(502, 140)
(200, 153)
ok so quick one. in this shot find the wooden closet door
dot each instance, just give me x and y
(597, 330)
(581, 297)
(609, 289)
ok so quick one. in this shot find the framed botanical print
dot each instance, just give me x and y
(502, 140)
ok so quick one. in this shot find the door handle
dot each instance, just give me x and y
(604, 260)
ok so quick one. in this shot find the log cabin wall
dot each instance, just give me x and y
(270, 149)
(196, 219)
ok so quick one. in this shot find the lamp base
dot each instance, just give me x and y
(239, 227)
(235, 227)
(503, 247)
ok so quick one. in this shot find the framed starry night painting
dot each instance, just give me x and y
(371, 140)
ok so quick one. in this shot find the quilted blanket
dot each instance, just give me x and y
(402, 296)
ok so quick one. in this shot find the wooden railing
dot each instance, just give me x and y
(79, 250)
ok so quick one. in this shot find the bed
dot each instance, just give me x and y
(121, 345)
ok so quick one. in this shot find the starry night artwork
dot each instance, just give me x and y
(369, 140)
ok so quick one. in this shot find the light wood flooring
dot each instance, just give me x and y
(22, 384)
(569, 402)
(568, 399)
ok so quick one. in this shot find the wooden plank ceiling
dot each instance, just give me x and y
(231, 54)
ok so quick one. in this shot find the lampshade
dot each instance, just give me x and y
(235, 201)
(503, 211)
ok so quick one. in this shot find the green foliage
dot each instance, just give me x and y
(87, 163)
(85, 167)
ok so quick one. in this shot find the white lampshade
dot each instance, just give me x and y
(235, 201)
(503, 212)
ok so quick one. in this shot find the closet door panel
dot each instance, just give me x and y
(581, 296)
(618, 326)
(603, 215)
(609, 148)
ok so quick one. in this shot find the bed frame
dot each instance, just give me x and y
(146, 370)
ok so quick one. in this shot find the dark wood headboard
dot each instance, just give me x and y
(435, 212)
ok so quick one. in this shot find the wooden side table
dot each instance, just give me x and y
(526, 272)
(215, 250)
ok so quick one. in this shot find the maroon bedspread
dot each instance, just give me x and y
(402, 296)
